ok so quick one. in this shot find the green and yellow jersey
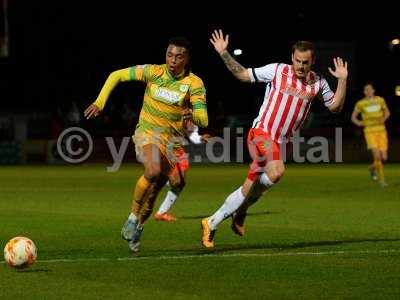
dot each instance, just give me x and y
(165, 98)
(372, 111)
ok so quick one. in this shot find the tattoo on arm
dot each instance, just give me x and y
(232, 64)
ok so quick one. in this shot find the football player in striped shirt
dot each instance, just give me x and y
(171, 89)
(374, 113)
(290, 91)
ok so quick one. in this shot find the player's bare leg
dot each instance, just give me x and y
(381, 175)
(145, 187)
(272, 173)
(253, 190)
(379, 157)
(151, 157)
(372, 171)
(148, 205)
(176, 183)
(373, 168)
(209, 225)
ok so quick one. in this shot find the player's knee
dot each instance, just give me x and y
(152, 173)
(376, 155)
(276, 174)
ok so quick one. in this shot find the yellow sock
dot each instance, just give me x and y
(142, 189)
(147, 208)
(149, 200)
(379, 168)
(375, 165)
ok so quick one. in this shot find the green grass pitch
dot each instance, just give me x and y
(325, 231)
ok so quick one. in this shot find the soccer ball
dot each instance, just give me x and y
(20, 252)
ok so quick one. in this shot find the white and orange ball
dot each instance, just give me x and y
(20, 252)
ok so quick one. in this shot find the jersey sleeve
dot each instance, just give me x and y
(145, 73)
(112, 81)
(326, 93)
(197, 94)
(263, 74)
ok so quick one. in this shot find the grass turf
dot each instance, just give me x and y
(74, 215)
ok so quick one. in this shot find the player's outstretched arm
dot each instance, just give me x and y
(221, 46)
(340, 73)
(112, 81)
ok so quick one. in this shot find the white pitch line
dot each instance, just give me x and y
(227, 255)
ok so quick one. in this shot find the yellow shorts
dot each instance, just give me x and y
(169, 150)
(377, 140)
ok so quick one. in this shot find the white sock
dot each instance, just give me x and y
(132, 217)
(231, 204)
(169, 200)
(264, 179)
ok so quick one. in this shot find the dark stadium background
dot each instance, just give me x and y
(61, 53)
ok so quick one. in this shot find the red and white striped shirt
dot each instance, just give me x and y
(287, 99)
